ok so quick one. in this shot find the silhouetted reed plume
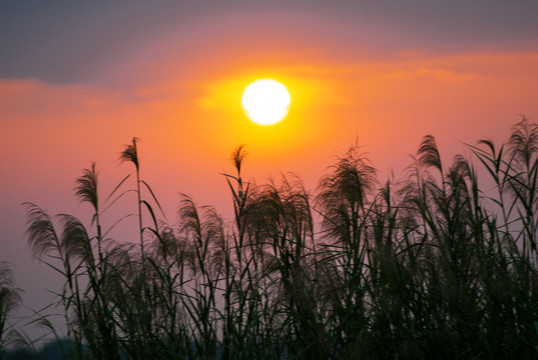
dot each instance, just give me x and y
(432, 265)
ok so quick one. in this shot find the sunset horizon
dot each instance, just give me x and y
(244, 113)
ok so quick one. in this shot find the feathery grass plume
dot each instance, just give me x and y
(206, 233)
(411, 196)
(42, 237)
(344, 194)
(98, 327)
(428, 153)
(214, 233)
(10, 299)
(290, 207)
(240, 193)
(72, 245)
(75, 239)
(130, 153)
(86, 187)
(247, 290)
(190, 226)
(205, 237)
(286, 216)
(238, 156)
(523, 142)
(44, 240)
(523, 184)
(168, 245)
(344, 201)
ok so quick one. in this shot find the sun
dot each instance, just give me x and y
(266, 101)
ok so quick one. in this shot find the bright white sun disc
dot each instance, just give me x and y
(266, 101)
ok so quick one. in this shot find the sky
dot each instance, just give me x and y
(78, 79)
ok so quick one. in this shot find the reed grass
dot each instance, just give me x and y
(10, 299)
(427, 266)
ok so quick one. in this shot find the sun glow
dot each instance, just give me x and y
(266, 101)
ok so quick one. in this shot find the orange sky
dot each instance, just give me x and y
(179, 91)
(193, 125)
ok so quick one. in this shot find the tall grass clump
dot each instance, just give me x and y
(10, 299)
(438, 263)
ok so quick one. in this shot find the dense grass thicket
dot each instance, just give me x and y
(437, 264)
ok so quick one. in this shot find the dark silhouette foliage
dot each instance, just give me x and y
(432, 265)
